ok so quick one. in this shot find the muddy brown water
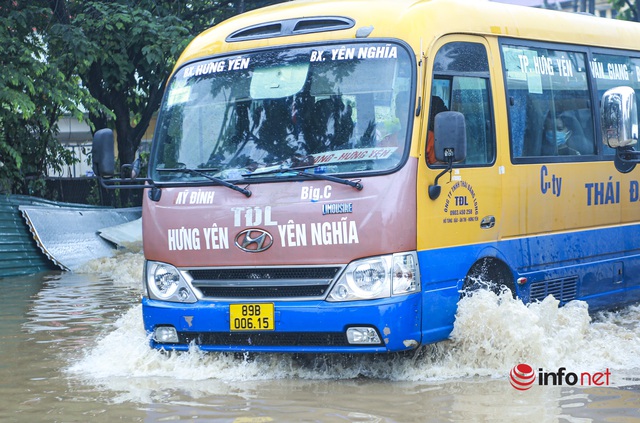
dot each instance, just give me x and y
(72, 349)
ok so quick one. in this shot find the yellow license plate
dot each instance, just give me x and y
(251, 317)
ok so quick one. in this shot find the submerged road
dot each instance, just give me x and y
(72, 348)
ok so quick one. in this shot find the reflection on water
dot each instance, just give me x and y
(73, 349)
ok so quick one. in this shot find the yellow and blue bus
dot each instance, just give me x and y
(332, 176)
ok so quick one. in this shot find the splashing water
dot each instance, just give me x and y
(124, 268)
(492, 333)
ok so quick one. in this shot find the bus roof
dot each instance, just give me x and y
(418, 22)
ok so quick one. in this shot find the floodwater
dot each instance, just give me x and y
(72, 349)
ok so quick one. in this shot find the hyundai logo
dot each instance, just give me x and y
(254, 240)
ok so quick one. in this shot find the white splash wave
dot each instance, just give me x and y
(492, 334)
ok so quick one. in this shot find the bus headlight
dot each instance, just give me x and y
(378, 277)
(405, 274)
(164, 282)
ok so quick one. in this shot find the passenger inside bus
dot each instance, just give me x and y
(562, 135)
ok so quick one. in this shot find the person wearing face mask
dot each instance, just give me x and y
(558, 137)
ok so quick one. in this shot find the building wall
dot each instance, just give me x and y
(600, 8)
(77, 137)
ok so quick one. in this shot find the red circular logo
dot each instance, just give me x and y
(522, 377)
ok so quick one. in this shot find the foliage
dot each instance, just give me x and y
(124, 51)
(34, 93)
(628, 10)
(108, 60)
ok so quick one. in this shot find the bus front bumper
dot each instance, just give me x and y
(375, 326)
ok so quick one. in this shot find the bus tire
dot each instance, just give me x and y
(489, 273)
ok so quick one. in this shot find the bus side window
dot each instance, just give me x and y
(461, 82)
(549, 103)
(610, 71)
(470, 96)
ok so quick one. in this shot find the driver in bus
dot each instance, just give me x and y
(437, 106)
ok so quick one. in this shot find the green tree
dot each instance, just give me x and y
(56, 52)
(628, 10)
(124, 51)
(34, 93)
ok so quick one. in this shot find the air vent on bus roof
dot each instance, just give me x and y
(295, 26)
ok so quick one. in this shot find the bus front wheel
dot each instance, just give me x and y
(489, 273)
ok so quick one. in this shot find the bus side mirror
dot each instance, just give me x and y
(449, 143)
(450, 137)
(619, 119)
(103, 158)
(102, 153)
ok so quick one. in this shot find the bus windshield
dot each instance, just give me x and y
(335, 109)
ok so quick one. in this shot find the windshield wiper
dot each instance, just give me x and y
(202, 172)
(300, 171)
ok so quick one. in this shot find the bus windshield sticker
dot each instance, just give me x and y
(613, 68)
(178, 96)
(360, 53)
(278, 81)
(513, 64)
(355, 154)
(210, 67)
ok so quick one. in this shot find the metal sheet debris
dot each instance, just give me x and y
(127, 235)
(70, 237)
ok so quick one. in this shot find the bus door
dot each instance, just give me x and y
(454, 228)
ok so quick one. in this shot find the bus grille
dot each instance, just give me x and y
(281, 339)
(264, 282)
(563, 289)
